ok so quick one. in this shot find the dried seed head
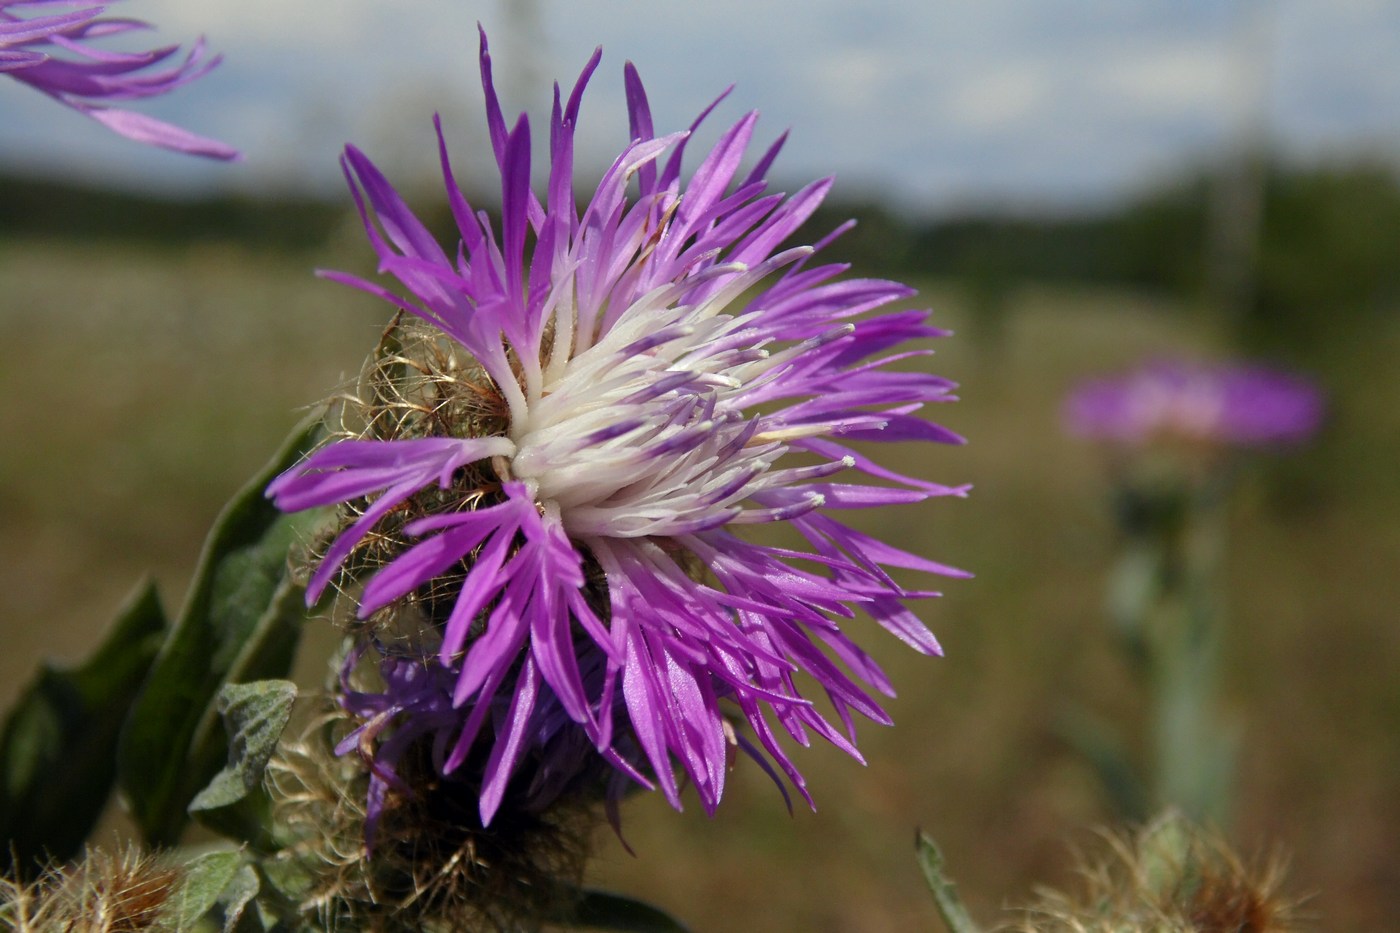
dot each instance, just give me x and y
(1172, 877)
(414, 385)
(433, 866)
(100, 893)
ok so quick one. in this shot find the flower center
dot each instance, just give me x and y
(648, 431)
(636, 440)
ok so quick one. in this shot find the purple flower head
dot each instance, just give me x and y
(614, 394)
(1223, 405)
(45, 44)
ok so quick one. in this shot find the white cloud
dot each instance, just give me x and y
(1000, 99)
(343, 23)
(1171, 81)
(848, 78)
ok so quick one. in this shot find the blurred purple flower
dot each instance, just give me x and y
(50, 52)
(663, 375)
(1227, 404)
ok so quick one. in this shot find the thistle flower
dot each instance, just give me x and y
(1171, 876)
(1231, 404)
(50, 52)
(100, 893)
(559, 459)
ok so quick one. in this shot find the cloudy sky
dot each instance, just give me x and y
(929, 104)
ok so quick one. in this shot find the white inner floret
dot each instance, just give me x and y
(1192, 409)
(645, 432)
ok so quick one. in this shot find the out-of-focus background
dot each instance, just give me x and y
(1073, 186)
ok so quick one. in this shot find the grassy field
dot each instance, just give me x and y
(142, 388)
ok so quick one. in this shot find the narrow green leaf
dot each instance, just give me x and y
(203, 884)
(240, 622)
(238, 895)
(254, 717)
(286, 885)
(945, 893)
(1164, 852)
(602, 910)
(1134, 588)
(58, 745)
(1108, 756)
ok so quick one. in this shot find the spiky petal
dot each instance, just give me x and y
(50, 52)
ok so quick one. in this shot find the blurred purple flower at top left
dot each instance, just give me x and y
(45, 44)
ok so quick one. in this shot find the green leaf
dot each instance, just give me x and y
(601, 910)
(254, 717)
(1134, 589)
(240, 622)
(1164, 854)
(1108, 756)
(202, 886)
(58, 745)
(237, 895)
(945, 893)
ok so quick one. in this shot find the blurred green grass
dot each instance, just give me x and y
(142, 387)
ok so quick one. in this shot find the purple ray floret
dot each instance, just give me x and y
(1224, 404)
(46, 44)
(667, 372)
